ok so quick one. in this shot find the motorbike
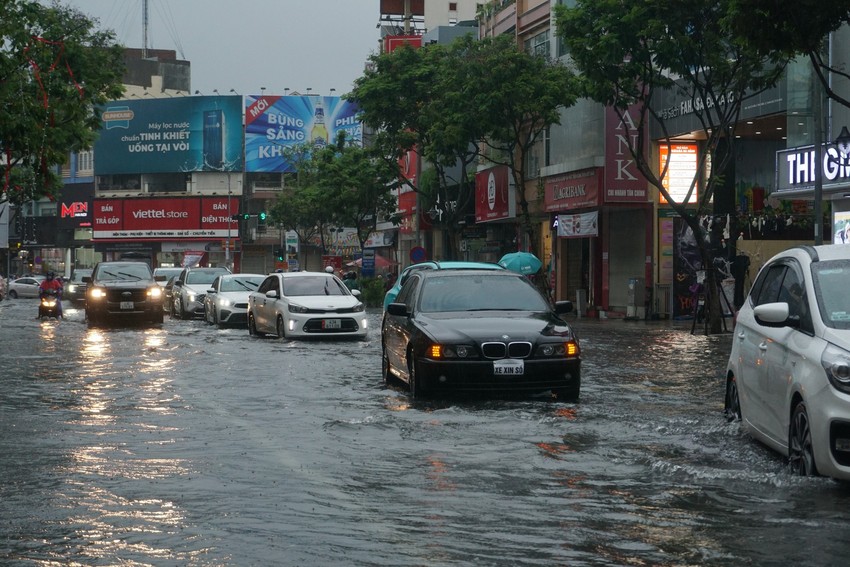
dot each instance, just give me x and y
(48, 305)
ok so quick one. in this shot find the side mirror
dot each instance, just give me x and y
(210, 290)
(775, 315)
(355, 293)
(399, 309)
(272, 294)
(562, 307)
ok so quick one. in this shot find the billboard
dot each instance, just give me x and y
(494, 195)
(273, 123)
(681, 171)
(176, 218)
(170, 135)
(74, 206)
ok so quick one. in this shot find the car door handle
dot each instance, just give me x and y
(763, 345)
(741, 335)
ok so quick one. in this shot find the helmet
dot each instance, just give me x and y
(329, 269)
(50, 275)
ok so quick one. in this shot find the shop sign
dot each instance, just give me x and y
(796, 168)
(198, 218)
(623, 181)
(494, 195)
(578, 226)
(575, 190)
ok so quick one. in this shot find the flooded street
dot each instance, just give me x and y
(183, 444)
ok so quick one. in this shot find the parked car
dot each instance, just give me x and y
(226, 302)
(26, 286)
(479, 331)
(306, 304)
(788, 377)
(122, 291)
(392, 293)
(162, 275)
(189, 290)
(75, 288)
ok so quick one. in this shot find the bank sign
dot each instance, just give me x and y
(797, 168)
(275, 123)
(178, 218)
(170, 135)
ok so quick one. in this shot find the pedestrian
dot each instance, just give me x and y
(350, 280)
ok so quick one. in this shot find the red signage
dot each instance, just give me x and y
(393, 42)
(407, 208)
(574, 190)
(493, 198)
(187, 218)
(623, 182)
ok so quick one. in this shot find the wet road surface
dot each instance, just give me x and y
(183, 444)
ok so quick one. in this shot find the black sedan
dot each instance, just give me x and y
(483, 331)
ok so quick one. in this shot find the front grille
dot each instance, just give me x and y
(240, 305)
(135, 295)
(331, 311)
(315, 326)
(495, 350)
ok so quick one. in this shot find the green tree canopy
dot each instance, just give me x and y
(55, 70)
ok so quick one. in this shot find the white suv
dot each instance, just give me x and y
(788, 378)
(190, 288)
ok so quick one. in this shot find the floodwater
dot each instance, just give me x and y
(183, 444)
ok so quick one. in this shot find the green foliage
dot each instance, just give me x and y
(372, 291)
(55, 70)
(448, 102)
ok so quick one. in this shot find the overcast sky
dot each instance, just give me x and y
(246, 45)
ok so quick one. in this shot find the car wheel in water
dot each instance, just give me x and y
(280, 328)
(414, 382)
(385, 367)
(801, 455)
(252, 326)
(176, 309)
(13, 294)
(157, 318)
(570, 393)
(732, 405)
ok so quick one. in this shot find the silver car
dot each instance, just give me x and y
(189, 290)
(226, 302)
(788, 377)
(26, 286)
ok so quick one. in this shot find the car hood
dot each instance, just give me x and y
(471, 326)
(124, 284)
(235, 296)
(324, 301)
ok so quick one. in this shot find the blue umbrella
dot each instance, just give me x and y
(523, 262)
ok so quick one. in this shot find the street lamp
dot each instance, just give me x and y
(842, 142)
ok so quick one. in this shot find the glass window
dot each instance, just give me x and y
(830, 282)
(480, 292)
(766, 289)
(793, 292)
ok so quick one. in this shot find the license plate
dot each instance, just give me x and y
(126, 305)
(331, 323)
(508, 367)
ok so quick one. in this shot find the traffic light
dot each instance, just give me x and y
(262, 216)
(280, 254)
(245, 216)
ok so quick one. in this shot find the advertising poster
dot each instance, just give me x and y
(197, 218)
(841, 227)
(170, 135)
(579, 225)
(75, 206)
(687, 262)
(681, 171)
(273, 123)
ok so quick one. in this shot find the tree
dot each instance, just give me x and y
(449, 103)
(359, 182)
(629, 53)
(794, 28)
(520, 96)
(55, 71)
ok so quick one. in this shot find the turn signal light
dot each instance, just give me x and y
(436, 351)
(572, 348)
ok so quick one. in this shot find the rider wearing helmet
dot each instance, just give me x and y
(52, 283)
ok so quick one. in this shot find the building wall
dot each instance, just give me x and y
(437, 12)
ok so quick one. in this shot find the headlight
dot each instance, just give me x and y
(359, 307)
(225, 302)
(836, 362)
(72, 288)
(191, 296)
(155, 292)
(293, 308)
(569, 349)
(439, 352)
(97, 293)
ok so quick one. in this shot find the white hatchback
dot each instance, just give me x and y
(306, 304)
(788, 377)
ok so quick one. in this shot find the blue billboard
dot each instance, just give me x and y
(170, 135)
(273, 123)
